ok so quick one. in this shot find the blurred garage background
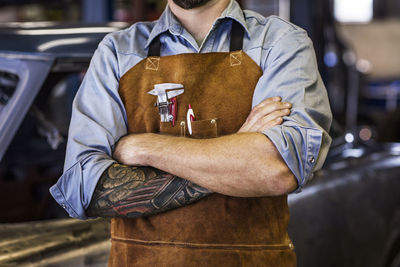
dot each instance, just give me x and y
(357, 43)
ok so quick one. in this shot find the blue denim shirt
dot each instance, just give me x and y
(282, 50)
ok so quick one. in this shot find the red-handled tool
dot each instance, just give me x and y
(164, 93)
(173, 108)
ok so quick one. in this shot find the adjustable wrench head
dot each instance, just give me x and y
(165, 91)
(162, 88)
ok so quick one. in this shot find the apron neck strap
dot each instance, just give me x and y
(237, 34)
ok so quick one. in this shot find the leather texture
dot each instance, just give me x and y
(217, 230)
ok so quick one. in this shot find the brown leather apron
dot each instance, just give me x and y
(217, 230)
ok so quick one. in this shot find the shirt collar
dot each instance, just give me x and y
(168, 21)
(233, 11)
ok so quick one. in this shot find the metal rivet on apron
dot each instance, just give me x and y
(213, 121)
(183, 128)
(312, 160)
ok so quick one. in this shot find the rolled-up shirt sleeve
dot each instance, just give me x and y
(98, 121)
(291, 72)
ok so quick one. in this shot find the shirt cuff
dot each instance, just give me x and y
(299, 148)
(63, 192)
(74, 190)
(60, 199)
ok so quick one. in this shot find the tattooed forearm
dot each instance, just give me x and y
(125, 191)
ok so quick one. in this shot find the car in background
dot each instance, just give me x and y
(348, 215)
(41, 67)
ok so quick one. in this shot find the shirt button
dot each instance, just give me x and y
(312, 160)
(64, 206)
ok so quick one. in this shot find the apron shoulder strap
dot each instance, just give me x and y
(237, 34)
(154, 48)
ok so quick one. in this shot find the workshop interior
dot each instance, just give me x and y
(348, 215)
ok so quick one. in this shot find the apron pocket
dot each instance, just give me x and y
(178, 130)
(205, 128)
(201, 129)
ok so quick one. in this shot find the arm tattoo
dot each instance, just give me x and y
(125, 191)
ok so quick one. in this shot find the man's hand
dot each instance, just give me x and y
(132, 149)
(266, 115)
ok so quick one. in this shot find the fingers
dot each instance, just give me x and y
(269, 100)
(271, 120)
(276, 115)
(265, 115)
(268, 108)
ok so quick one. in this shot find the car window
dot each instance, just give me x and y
(35, 157)
(8, 84)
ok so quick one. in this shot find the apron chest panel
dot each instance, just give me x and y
(217, 230)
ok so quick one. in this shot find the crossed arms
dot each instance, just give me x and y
(149, 178)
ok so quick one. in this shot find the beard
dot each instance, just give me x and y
(189, 4)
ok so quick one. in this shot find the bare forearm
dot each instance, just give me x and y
(245, 165)
(125, 191)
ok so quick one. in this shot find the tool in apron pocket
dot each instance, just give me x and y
(165, 92)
